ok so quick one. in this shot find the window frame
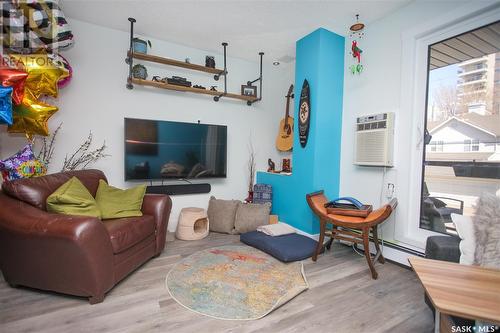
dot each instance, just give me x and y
(474, 145)
(440, 146)
(413, 102)
(467, 145)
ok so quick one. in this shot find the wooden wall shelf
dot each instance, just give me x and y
(176, 63)
(217, 73)
(192, 90)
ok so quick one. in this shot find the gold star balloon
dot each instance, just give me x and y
(43, 74)
(31, 117)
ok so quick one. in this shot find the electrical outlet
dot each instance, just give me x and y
(389, 190)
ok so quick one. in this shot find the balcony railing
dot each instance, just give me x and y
(471, 81)
(490, 170)
(482, 69)
(473, 61)
(471, 92)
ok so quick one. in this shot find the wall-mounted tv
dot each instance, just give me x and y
(157, 150)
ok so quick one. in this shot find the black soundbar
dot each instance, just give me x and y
(179, 189)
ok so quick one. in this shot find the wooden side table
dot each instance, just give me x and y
(470, 292)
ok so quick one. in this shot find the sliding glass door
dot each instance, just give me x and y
(461, 157)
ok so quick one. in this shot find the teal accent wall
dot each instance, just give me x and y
(320, 60)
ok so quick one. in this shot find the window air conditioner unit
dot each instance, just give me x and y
(375, 140)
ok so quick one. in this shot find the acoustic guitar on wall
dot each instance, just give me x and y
(284, 140)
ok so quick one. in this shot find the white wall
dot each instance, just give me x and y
(96, 100)
(377, 90)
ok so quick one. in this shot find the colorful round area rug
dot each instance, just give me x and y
(234, 282)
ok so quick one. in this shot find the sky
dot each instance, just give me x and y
(444, 76)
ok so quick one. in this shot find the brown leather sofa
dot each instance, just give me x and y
(75, 255)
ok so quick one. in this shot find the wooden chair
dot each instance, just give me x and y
(343, 225)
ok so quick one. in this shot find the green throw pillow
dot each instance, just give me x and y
(73, 198)
(116, 203)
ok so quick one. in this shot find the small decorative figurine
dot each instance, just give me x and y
(157, 78)
(271, 165)
(286, 165)
(356, 51)
(210, 61)
(139, 72)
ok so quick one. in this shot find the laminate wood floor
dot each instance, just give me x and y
(342, 298)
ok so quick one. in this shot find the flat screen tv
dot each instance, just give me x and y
(156, 150)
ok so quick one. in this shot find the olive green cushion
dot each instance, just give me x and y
(73, 198)
(117, 203)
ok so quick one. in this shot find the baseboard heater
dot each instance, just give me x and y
(387, 244)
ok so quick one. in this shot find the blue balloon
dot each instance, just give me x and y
(6, 105)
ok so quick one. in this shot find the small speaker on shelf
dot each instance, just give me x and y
(179, 189)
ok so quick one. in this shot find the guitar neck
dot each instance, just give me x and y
(287, 113)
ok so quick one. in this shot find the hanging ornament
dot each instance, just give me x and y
(357, 29)
(356, 51)
(356, 54)
(31, 118)
(356, 33)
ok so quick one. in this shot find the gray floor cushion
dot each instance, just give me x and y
(291, 247)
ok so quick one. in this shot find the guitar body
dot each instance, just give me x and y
(284, 140)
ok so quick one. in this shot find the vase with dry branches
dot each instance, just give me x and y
(251, 170)
(47, 149)
(81, 158)
(84, 156)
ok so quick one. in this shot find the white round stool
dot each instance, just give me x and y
(193, 224)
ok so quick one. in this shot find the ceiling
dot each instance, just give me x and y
(270, 26)
(473, 44)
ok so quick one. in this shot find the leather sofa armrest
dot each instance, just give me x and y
(43, 250)
(158, 206)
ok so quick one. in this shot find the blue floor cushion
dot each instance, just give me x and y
(291, 247)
